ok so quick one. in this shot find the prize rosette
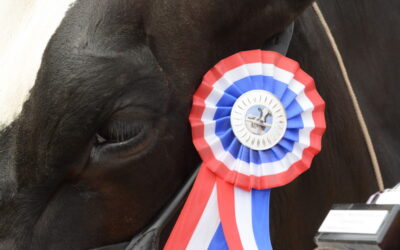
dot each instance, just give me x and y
(257, 122)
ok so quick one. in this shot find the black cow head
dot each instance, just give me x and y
(103, 142)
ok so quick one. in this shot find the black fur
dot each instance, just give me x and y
(141, 61)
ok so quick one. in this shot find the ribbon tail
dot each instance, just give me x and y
(244, 216)
(260, 218)
(226, 205)
(198, 225)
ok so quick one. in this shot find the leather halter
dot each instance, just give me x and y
(149, 238)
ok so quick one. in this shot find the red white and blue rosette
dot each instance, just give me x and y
(257, 123)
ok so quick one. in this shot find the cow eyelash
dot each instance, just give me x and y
(118, 131)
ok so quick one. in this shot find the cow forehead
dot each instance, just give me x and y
(26, 27)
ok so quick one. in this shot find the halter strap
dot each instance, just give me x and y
(280, 42)
(150, 237)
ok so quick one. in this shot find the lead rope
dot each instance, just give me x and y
(353, 97)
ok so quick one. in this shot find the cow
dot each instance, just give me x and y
(94, 102)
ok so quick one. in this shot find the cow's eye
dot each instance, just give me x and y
(126, 133)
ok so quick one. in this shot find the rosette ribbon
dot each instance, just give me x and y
(257, 122)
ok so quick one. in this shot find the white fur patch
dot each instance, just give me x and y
(26, 27)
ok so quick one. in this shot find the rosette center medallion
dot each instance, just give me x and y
(258, 119)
